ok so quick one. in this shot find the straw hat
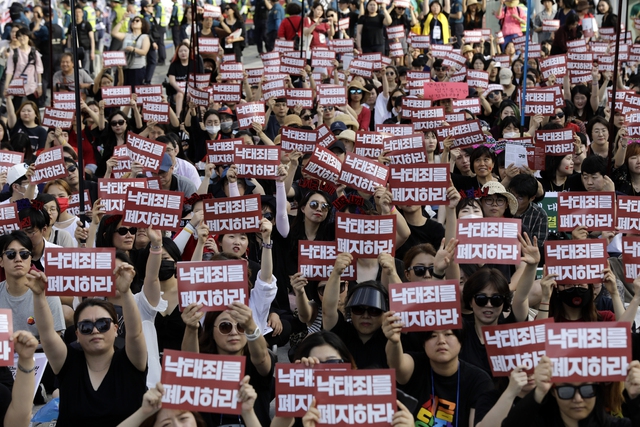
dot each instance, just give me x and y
(494, 187)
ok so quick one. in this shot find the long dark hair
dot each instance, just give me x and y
(588, 313)
(297, 228)
(21, 143)
(321, 338)
(106, 230)
(206, 341)
(236, 12)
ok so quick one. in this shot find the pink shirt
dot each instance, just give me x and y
(511, 25)
(30, 73)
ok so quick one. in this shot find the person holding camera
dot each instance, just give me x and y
(86, 40)
(320, 28)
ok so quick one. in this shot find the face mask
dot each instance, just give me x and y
(63, 202)
(167, 270)
(510, 135)
(226, 126)
(576, 297)
(213, 129)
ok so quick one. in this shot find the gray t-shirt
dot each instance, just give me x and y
(22, 310)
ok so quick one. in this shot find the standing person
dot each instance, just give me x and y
(456, 22)
(274, 20)
(565, 8)
(147, 10)
(511, 16)
(609, 20)
(57, 41)
(370, 33)
(232, 22)
(174, 23)
(86, 39)
(262, 8)
(118, 16)
(546, 15)
(136, 45)
(158, 31)
(291, 26)
(41, 36)
(319, 28)
(25, 63)
(474, 14)
(436, 23)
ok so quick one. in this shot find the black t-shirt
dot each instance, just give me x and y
(37, 135)
(487, 401)
(467, 184)
(83, 34)
(170, 330)
(372, 30)
(367, 355)
(179, 71)
(473, 351)
(430, 232)
(119, 395)
(455, 395)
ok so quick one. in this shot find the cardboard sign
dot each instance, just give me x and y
(9, 159)
(445, 90)
(589, 351)
(476, 78)
(539, 102)
(324, 165)
(74, 203)
(365, 236)
(362, 173)
(113, 193)
(202, 382)
(294, 139)
(554, 66)
(273, 89)
(6, 331)
(351, 398)
(214, 284)
(332, 95)
(53, 118)
(250, 112)
(222, 152)
(257, 161)
(576, 261)
(80, 271)
(369, 144)
(64, 101)
(116, 96)
(316, 260)
(511, 345)
(467, 134)
(419, 184)
(492, 240)
(144, 207)
(556, 142)
(9, 220)
(158, 112)
(631, 257)
(596, 211)
(394, 130)
(427, 306)
(299, 97)
(148, 93)
(226, 92)
(233, 215)
(628, 214)
(147, 152)
(16, 88)
(49, 166)
(114, 59)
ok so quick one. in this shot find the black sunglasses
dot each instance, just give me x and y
(359, 310)
(421, 270)
(268, 215)
(117, 123)
(124, 230)
(557, 116)
(441, 68)
(343, 286)
(567, 392)
(329, 108)
(355, 91)
(495, 300)
(11, 254)
(307, 117)
(226, 327)
(330, 361)
(72, 168)
(85, 327)
(314, 204)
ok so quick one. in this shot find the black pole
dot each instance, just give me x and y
(50, 25)
(76, 90)
(613, 92)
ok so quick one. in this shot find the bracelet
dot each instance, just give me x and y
(544, 311)
(437, 276)
(544, 303)
(393, 209)
(267, 245)
(26, 371)
(189, 228)
(155, 251)
(257, 333)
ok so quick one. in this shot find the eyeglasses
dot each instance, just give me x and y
(124, 230)
(85, 327)
(226, 327)
(307, 117)
(390, 73)
(343, 286)
(495, 300)
(359, 310)
(268, 216)
(314, 204)
(557, 116)
(329, 108)
(567, 392)
(355, 91)
(421, 270)
(492, 94)
(491, 201)
(11, 254)
(117, 123)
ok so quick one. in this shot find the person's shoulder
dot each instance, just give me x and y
(474, 374)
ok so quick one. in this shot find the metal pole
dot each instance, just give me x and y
(76, 90)
(523, 101)
(50, 25)
(613, 91)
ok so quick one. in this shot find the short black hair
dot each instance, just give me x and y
(480, 151)
(16, 235)
(524, 185)
(38, 218)
(594, 164)
(481, 279)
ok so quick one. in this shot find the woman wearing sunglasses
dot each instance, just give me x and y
(574, 404)
(99, 386)
(137, 44)
(355, 106)
(110, 232)
(114, 135)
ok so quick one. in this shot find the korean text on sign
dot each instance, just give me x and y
(426, 306)
(365, 236)
(596, 211)
(6, 330)
(487, 239)
(49, 166)
(145, 207)
(233, 215)
(80, 272)
(576, 261)
(214, 284)
(316, 260)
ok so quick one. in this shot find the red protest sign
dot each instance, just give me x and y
(231, 71)
(467, 134)
(284, 46)
(113, 193)
(294, 139)
(455, 61)
(121, 154)
(554, 66)
(631, 257)
(9, 159)
(80, 272)
(419, 184)
(114, 59)
(214, 284)
(53, 118)
(394, 130)
(358, 67)
(396, 143)
(145, 207)
(116, 96)
(426, 306)
(407, 157)
(199, 81)
(323, 165)
(369, 144)
(74, 203)
(362, 173)
(440, 51)
(582, 61)
(588, 351)
(49, 166)
(343, 45)
(9, 220)
(199, 97)
(254, 76)
(417, 109)
(316, 260)
(157, 112)
(292, 66)
(16, 88)
(629, 214)
(396, 50)
(64, 101)
(365, 236)
(208, 45)
(211, 11)
(273, 89)
(395, 32)
(539, 102)
(257, 161)
(222, 152)
(445, 90)
(513, 345)
(332, 95)
(299, 97)
(488, 239)
(212, 378)
(146, 151)
(322, 58)
(477, 78)
(226, 92)
(471, 104)
(325, 136)
(250, 112)
(591, 210)
(6, 331)
(551, 25)
(148, 93)
(348, 398)
(576, 261)
(232, 215)
(556, 142)
(473, 36)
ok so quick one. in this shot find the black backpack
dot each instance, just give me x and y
(296, 37)
(30, 61)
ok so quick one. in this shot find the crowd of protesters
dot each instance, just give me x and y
(106, 377)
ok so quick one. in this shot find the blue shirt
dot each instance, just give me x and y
(275, 17)
(456, 6)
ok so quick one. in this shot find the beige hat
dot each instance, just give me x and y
(347, 120)
(466, 48)
(292, 119)
(356, 84)
(348, 134)
(471, 2)
(494, 187)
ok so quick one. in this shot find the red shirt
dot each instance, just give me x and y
(319, 33)
(289, 26)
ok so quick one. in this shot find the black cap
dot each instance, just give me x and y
(369, 297)
(338, 145)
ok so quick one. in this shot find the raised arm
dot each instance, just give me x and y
(135, 344)
(396, 358)
(191, 316)
(11, 112)
(19, 411)
(499, 411)
(307, 311)
(255, 341)
(151, 286)
(282, 216)
(332, 291)
(266, 266)
(531, 257)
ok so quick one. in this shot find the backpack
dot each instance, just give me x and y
(30, 61)
(504, 12)
(296, 37)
